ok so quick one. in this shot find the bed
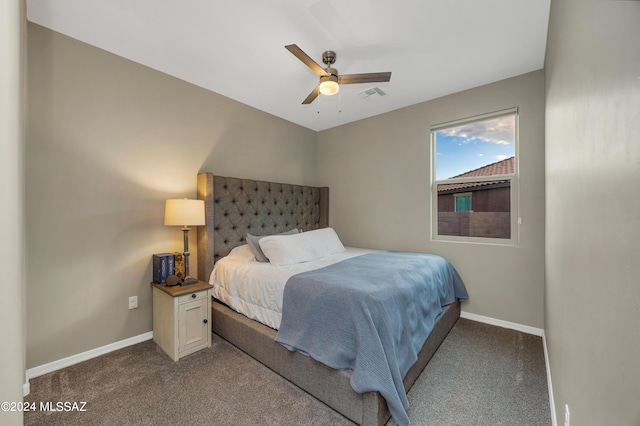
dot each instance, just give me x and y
(235, 207)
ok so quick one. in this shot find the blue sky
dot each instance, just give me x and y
(470, 146)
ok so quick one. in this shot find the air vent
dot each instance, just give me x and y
(372, 94)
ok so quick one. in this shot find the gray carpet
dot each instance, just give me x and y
(480, 375)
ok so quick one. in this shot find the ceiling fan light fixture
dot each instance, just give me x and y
(329, 85)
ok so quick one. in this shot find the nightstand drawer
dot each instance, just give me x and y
(196, 295)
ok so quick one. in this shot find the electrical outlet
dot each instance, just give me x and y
(133, 302)
(567, 415)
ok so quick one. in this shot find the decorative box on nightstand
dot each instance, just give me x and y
(182, 318)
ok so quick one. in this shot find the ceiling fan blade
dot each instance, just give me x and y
(306, 59)
(373, 77)
(314, 94)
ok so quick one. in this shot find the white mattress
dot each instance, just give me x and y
(255, 288)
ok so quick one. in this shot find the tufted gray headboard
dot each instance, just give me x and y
(235, 206)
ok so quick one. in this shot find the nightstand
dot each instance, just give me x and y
(182, 318)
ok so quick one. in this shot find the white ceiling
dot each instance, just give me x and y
(236, 48)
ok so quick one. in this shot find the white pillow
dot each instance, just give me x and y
(254, 245)
(289, 249)
(242, 252)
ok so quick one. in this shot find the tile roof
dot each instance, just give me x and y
(503, 167)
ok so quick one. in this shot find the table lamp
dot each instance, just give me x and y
(185, 213)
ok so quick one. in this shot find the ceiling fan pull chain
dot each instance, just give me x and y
(339, 103)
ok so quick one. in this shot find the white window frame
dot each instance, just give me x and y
(513, 178)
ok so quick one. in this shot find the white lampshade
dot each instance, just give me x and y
(184, 212)
(329, 85)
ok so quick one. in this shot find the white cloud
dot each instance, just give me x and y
(502, 157)
(499, 131)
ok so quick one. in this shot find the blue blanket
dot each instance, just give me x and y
(370, 314)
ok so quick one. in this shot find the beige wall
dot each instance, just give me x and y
(12, 349)
(592, 304)
(108, 141)
(379, 172)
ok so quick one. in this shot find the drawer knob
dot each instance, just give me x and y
(205, 320)
(193, 295)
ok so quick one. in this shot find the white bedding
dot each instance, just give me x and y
(255, 288)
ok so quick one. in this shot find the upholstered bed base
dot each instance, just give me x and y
(328, 385)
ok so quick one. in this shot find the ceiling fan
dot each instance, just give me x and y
(330, 81)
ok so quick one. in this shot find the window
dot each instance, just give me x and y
(474, 179)
(463, 202)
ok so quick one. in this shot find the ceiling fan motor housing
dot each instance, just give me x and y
(332, 72)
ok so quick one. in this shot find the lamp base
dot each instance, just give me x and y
(189, 281)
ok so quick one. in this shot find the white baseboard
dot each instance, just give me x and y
(504, 324)
(74, 359)
(525, 329)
